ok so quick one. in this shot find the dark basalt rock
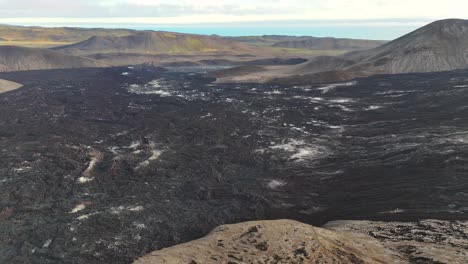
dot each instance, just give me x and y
(100, 167)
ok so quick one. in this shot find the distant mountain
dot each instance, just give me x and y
(42, 36)
(266, 40)
(307, 42)
(330, 44)
(439, 46)
(152, 42)
(14, 58)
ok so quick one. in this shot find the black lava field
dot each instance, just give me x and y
(105, 165)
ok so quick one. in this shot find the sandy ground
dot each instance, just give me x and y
(6, 86)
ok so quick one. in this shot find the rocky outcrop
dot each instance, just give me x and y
(282, 241)
(286, 241)
(426, 241)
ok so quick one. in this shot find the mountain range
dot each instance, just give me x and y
(330, 44)
(439, 46)
(57, 36)
(152, 42)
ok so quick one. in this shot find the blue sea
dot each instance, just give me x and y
(384, 33)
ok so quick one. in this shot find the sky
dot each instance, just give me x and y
(373, 19)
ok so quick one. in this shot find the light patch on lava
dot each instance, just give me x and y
(396, 211)
(274, 92)
(85, 179)
(85, 216)
(79, 207)
(155, 154)
(134, 145)
(96, 158)
(122, 209)
(342, 100)
(154, 87)
(332, 87)
(300, 150)
(458, 138)
(22, 169)
(373, 107)
(275, 184)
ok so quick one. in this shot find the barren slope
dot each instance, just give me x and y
(43, 36)
(330, 44)
(19, 59)
(439, 46)
(149, 42)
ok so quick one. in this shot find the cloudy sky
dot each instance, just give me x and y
(378, 19)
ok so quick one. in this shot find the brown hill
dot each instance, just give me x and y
(14, 58)
(151, 42)
(439, 46)
(330, 44)
(42, 36)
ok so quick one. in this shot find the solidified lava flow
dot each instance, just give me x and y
(105, 165)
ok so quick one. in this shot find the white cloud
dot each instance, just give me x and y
(227, 11)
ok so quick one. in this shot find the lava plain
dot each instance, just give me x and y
(105, 165)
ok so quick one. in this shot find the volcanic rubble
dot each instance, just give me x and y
(106, 165)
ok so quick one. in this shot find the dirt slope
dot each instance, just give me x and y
(14, 58)
(439, 46)
(330, 44)
(150, 42)
(41, 36)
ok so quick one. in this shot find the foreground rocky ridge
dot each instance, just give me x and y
(281, 241)
(425, 241)
(286, 241)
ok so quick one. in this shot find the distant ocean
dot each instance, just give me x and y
(343, 30)
(362, 32)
